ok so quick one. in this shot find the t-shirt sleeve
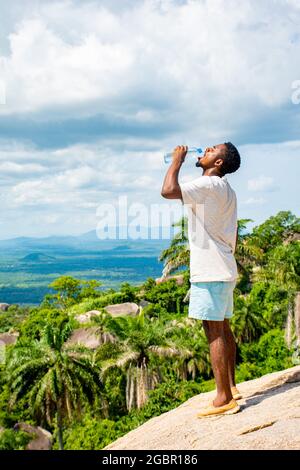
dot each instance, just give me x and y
(195, 192)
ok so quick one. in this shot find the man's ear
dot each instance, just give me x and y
(219, 162)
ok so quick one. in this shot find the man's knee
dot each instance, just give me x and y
(213, 328)
(205, 326)
(227, 329)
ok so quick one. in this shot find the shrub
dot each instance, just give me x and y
(267, 355)
(14, 440)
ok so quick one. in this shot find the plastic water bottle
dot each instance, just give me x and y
(192, 152)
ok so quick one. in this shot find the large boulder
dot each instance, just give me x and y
(144, 303)
(268, 420)
(127, 308)
(4, 306)
(293, 237)
(87, 337)
(42, 439)
(86, 317)
(178, 278)
(8, 338)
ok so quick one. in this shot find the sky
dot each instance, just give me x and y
(93, 93)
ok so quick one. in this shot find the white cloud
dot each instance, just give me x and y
(254, 201)
(44, 70)
(79, 178)
(261, 183)
(12, 168)
(212, 62)
(201, 70)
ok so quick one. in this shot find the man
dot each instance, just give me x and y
(212, 233)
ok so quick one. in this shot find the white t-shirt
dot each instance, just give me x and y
(212, 224)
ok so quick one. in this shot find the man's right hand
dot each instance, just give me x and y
(179, 153)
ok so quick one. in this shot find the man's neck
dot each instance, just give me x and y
(212, 172)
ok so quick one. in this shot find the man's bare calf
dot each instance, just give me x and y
(222, 355)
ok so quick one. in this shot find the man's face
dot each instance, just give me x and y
(212, 157)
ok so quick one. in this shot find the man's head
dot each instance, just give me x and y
(223, 158)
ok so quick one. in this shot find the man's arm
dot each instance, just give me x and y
(171, 188)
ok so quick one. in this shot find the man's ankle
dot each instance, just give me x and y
(222, 399)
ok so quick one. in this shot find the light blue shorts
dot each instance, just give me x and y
(211, 300)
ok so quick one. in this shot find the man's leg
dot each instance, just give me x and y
(231, 348)
(215, 332)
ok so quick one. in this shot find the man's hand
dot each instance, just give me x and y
(179, 153)
(171, 188)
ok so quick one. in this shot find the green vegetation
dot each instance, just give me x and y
(56, 379)
(148, 364)
(14, 440)
(25, 278)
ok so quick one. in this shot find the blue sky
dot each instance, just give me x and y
(96, 91)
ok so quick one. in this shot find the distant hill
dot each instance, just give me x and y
(37, 257)
(122, 248)
(84, 242)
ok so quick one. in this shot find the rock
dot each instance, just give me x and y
(127, 308)
(4, 306)
(269, 419)
(86, 337)
(144, 303)
(293, 237)
(42, 439)
(85, 317)
(8, 338)
(178, 278)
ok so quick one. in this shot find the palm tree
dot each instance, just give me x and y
(283, 268)
(191, 340)
(247, 252)
(178, 253)
(103, 322)
(142, 343)
(58, 379)
(247, 324)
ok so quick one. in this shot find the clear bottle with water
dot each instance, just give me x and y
(192, 152)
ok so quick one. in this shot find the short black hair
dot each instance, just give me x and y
(232, 160)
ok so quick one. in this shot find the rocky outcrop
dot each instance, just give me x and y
(42, 439)
(127, 308)
(293, 237)
(116, 310)
(86, 317)
(178, 278)
(4, 307)
(144, 303)
(8, 338)
(269, 419)
(87, 337)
